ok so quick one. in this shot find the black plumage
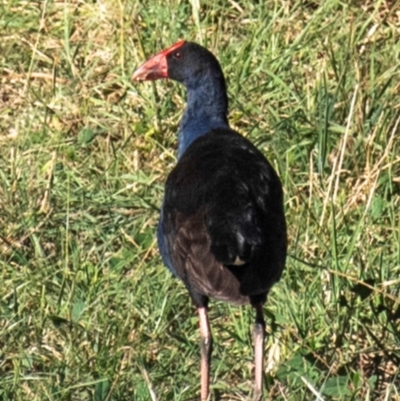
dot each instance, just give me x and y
(222, 228)
(223, 220)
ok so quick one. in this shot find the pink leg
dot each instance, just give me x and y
(258, 338)
(206, 348)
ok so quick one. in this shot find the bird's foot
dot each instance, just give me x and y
(258, 396)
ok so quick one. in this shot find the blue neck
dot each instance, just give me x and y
(207, 109)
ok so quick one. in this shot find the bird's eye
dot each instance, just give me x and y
(178, 55)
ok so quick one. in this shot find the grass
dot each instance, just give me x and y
(87, 311)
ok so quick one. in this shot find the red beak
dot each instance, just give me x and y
(155, 67)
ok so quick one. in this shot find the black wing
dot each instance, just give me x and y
(223, 224)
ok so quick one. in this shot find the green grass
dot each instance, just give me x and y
(87, 311)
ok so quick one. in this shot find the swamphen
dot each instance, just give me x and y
(222, 227)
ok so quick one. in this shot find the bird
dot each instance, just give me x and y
(222, 227)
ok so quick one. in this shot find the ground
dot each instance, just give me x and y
(87, 310)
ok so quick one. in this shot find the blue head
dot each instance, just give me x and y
(199, 70)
